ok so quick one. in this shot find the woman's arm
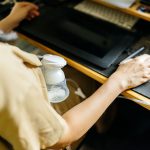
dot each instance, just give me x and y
(82, 117)
(20, 11)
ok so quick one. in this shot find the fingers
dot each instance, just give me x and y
(27, 7)
(148, 61)
(32, 11)
(135, 71)
(147, 73)
(32, 15)
(125, 61)
(26, 4)
(143, 58)
(30, 7)
(140, 59)
(35, 13)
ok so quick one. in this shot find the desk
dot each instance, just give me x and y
(96, 76)
(33, 39)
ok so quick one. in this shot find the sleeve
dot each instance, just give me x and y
(7, 37)
(27, 120)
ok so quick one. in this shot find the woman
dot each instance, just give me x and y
(27, 120)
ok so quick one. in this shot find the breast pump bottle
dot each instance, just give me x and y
(55, 78)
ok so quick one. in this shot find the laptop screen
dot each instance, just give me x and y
(91, 39)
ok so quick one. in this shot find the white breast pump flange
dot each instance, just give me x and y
(55, 78)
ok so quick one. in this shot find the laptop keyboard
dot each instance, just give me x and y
(108, 14)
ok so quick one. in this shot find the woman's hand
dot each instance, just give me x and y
(21, 10)
(133, 72)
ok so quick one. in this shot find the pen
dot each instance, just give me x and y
(134, 54)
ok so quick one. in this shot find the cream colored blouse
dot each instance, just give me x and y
(27, 120)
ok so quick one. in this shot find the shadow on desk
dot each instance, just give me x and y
(130, 130)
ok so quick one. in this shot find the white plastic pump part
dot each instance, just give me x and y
(53, 61)
(51, 68)
(55, 78)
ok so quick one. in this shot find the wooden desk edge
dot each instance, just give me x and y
(94, 75)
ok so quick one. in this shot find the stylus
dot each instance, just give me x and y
(135, 53)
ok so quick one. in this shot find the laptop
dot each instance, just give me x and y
(86, 37)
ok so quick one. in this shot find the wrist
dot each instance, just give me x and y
(8, 24)
(117, 80)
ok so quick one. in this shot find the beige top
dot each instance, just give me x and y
(27, 120)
